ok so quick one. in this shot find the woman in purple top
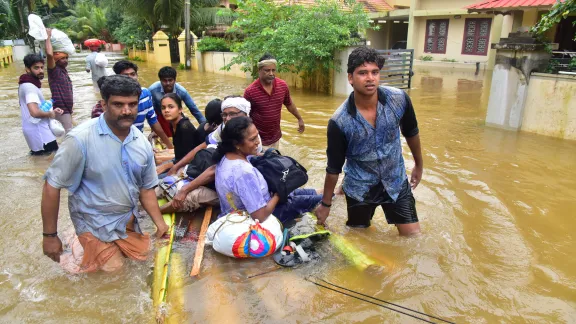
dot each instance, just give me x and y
(241, 186)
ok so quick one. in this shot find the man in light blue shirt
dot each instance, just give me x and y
(167, 84)
(107, 166)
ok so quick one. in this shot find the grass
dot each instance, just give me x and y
(137, 59)
(426, 58)
(449, 60)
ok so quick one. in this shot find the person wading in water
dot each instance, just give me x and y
(267, 94)
(364, 133)
(107, 165)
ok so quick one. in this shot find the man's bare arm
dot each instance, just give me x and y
(415, 147)
(150, 204)
(50, 205)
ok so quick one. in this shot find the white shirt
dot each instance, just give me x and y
(36, 135)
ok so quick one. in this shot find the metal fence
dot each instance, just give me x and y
(397, 70)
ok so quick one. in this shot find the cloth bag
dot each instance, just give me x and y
(37, 29)
(240, 236)
(282, 173)
(57, 128)
(101, 60)
(61, 42)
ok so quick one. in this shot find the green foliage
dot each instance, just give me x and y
(132, 31)
(426, 58)
(85, 21)
(155, 14)
(213, 44)
(446, 60)
(303, 39)
(137, 59)
(559, 11)
(125, 51)
(181, 66)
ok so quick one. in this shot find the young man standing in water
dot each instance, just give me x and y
(60, 83)
(145, 106)
(35, 122)
(365, 133)
(267, 94)
(167, 84)
(107, 165)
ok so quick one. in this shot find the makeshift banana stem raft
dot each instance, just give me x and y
(352, 254)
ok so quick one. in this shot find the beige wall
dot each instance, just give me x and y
(455, 38)
(443, 4)
(380, 39)
(551, 106)
(215, 61)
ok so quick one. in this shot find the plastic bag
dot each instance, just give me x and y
(57, 128)
(46, 106)
(238, 235)
(101, 60)
(61, 42)
(37, 29)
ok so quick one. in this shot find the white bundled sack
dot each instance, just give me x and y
(61, 42)
(57, 128)
(37, 29)
(239, 236)
(101, 60)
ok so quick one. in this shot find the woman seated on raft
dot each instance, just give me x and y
(195, 193)
(241, 186)
(186, 136)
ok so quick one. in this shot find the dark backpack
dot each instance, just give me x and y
(282, 173)
(202, 161)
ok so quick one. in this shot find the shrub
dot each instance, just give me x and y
(426, 58)
(213, 44)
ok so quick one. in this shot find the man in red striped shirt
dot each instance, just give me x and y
(267, 95)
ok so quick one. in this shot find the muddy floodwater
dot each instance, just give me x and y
(497, 210)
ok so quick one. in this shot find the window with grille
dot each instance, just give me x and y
(436, 36)
(476, 36)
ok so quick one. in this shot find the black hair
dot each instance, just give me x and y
(266, 56)
(167, 72)
(32, 59)
(362, 55)
(119, 85)
(233, 134)
(100, 81)
(213, 112)
(174, 97)
(122, 65)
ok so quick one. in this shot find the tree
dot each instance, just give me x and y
(303, 39)
(559, 11)
(85, 21)
(132, 31)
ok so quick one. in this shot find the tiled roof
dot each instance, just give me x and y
(506, 4)
(369, 5)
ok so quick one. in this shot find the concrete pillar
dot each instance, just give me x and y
(507, 22)
(340, 84)
(495, 33)
(161, 48)
(516, 58)
(412, 28)
(147, 48)
(182, 47)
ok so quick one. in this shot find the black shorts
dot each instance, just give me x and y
(48, 148)
(401, 211)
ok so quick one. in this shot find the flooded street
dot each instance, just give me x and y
(497, 211)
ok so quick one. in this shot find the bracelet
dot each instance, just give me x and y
(55, 234)
(325, 204)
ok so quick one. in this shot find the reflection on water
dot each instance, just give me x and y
(497, 210)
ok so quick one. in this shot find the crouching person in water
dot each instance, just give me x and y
(241, 186)
(104, 188)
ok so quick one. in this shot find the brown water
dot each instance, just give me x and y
(497, 211)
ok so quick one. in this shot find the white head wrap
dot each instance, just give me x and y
(267, 62)
(238, 103)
